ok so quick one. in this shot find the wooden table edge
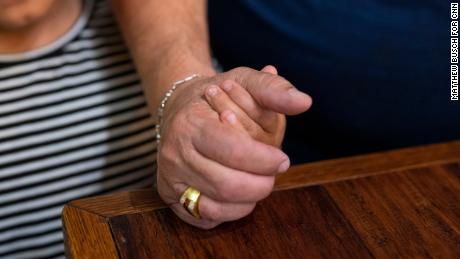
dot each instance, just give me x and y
(90, 217)
(315, 173)
(94, 239)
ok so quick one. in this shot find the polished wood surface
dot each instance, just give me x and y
(90, 235)
(403, 203)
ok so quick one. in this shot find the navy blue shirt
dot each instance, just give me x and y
(377, 70)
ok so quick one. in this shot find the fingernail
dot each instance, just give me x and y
(284, 166)
(227, 85)
(230, 117)
(296, 93)
(212, 90)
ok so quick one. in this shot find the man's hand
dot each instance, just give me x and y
(231, 169)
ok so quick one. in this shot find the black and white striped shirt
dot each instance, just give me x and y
(73, 123)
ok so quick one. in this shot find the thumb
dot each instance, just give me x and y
(271, 91)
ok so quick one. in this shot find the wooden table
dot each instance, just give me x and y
(403, 203)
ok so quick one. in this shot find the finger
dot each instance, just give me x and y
(171, 196)
(222, 103)
(185, 216)
(230, 185)
(217, 181)
(270, 69)
(238, 150)
(221, 212)
(267, 119)
(271, 91)
(213, 213)
(229, 117)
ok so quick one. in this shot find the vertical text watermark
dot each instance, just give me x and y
(454, 73)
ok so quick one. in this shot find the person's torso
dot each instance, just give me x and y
(73, 123)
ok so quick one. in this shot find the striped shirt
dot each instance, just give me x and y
(73, 123)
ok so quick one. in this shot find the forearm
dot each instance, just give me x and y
(167, 39)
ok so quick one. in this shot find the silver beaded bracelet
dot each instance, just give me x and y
(165, 99)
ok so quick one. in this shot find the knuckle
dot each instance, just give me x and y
(166, 154)
(168, 188)
(239, 70)
(189, 117)
(214, 89)
(177, 122)
(168, 161)
(195, 118)
(228, 81)
(187, 155)
(275, 81)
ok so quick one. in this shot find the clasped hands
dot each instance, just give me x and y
(222, 135)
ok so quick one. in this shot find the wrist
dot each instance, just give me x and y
(162, 75)
(164, 101)
(168, 75)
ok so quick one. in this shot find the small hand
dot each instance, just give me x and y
(237, 107)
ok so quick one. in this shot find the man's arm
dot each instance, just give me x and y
(168, 41)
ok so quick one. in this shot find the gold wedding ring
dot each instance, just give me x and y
(190, 201)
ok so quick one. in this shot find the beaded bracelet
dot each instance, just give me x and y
(165, 99)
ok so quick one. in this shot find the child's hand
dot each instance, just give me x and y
(238, 108)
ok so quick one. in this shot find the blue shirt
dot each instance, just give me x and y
(377, 70)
